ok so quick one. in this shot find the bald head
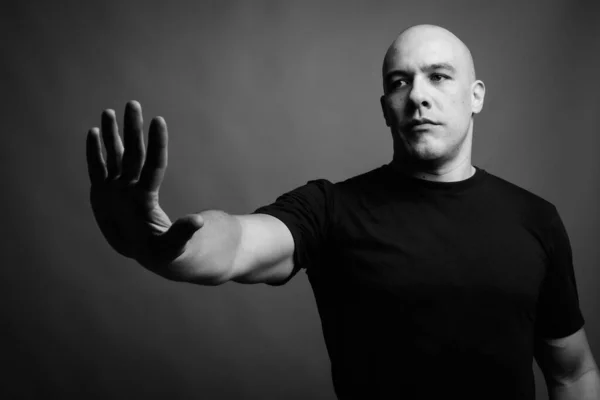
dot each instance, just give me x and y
(429, 44)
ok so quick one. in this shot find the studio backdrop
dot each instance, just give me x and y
(259, 98)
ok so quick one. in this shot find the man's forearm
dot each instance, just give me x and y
(210, 253)
(586, 387)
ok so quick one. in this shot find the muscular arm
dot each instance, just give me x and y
(255, 248)
(568, 367)
(208, 248)
(265, 253)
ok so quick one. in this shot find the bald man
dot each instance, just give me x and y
(433, 277)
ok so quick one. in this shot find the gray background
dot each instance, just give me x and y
(259, 97)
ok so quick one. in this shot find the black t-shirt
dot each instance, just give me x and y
(432, 289)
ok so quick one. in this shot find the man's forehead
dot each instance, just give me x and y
(419, 54)
(420, 47)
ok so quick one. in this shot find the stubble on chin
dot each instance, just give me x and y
(420, 151)
(420, 145)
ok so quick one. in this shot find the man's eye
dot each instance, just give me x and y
(438, 77)
(398, 83)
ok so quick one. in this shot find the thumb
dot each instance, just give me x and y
(182, 230)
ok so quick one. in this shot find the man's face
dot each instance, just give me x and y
(428, 75)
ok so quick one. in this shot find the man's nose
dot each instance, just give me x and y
(418, 93)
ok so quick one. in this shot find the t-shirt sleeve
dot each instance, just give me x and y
(558, 312)
(306, 211)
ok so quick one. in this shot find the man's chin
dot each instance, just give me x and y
(423, 148)
(426, 152)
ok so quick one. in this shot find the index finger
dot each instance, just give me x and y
(156, 156)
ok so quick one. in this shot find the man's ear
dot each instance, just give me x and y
(477, 96)
(384, 108)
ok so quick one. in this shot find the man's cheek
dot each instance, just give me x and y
(396, 103)
(397, 111)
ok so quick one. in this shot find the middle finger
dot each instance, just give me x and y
(133, 156)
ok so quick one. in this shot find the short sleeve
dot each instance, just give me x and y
(306, 211)
(558, 312)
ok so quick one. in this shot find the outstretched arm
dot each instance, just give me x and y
(208, 248)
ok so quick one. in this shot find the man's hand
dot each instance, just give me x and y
(124, 192)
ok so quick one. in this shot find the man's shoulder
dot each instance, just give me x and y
(517, 194)
(361, 180)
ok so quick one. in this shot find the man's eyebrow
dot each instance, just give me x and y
(433, 67)
(427, 68)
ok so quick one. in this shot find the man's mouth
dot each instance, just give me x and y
(423, 123)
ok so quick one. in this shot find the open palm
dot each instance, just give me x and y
(124, 190)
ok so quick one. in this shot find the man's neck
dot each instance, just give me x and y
(447, 173)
